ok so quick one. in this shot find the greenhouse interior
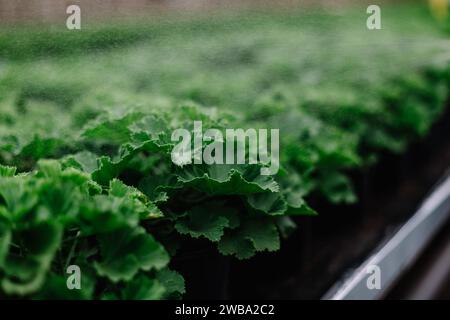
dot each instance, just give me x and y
(208, 150)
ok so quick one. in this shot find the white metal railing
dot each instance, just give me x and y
(399, 252)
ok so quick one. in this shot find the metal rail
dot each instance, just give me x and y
(429, 278)
(395, 256)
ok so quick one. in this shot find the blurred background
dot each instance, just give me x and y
(55, 10)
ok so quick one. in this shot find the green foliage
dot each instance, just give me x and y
(112, 201)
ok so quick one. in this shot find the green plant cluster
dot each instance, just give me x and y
(86, 176)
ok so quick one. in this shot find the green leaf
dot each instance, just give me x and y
(25, 274)
(101, 214)
(227, 179)
(5, 239)
(208, 220)
(19, 197)
(144, 288)
(144, 206)
(286, 226)
(238, 245)
(153, 187)
(172, 281)
(111, 129)
(254, 235)
(85, 161)
(6, 171)
(270, 203)
(127, 251)
(55, 288)
(297, 206)
(338, 188)
(263, 235)
(154, 127)
(109, 169)
(49, 168)
(40, 147)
